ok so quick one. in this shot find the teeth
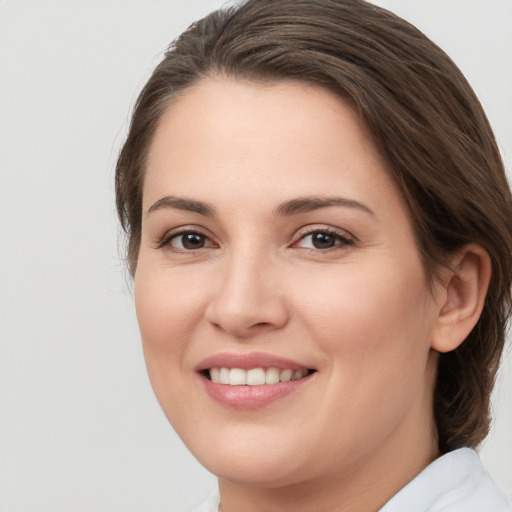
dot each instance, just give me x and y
(254, 376)
(237, 377)
(286, 375)
(223, 375)
(214, 374)
(272, 376)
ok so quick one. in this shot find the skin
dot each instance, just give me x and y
(360, 312)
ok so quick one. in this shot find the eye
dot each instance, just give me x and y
(186, 241)
(323, 240)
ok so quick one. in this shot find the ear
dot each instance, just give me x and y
(462, 299)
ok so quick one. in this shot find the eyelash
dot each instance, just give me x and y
(342, 240)
(165, 241)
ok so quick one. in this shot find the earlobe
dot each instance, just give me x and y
(465, 288)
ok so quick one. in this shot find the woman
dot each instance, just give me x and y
(320, 233)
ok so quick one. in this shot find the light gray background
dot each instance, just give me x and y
(80, 429)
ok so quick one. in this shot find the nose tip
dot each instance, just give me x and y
(243, 325)
(246, 305)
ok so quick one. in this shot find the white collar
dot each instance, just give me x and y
(455, 482)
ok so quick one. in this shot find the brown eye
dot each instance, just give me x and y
(192, 241)
(189, 241)
(323, 240)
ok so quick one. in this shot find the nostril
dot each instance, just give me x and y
(245, 316)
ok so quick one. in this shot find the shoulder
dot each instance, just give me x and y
(456, 482)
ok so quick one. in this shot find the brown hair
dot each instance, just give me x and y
(423, 116)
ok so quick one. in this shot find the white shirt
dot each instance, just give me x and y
(456, 482)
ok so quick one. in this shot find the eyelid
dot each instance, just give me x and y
(164, 240)
(346, 238)
(315, 228)
(343, 235)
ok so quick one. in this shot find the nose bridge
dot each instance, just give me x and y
(248, 299)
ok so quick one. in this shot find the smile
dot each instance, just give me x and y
(253, 376)
(249, 381)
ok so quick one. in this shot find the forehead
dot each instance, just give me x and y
(221, 108)
(286, 136)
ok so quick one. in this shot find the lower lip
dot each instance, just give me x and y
(251, 397)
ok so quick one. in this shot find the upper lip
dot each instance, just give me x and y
(247, 361)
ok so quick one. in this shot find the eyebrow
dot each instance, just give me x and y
(308, 204)
(181, 203)
(288, 208)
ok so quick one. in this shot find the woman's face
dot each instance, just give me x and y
(276, 246)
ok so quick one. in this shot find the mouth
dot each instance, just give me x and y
(254, 376)
(251, 380)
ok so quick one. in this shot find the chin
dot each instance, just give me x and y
(255, 473)
(254, 463)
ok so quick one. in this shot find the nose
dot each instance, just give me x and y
(248, 300)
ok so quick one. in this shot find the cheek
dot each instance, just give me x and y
(167, 310)
(374, 330)
(369, 316)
